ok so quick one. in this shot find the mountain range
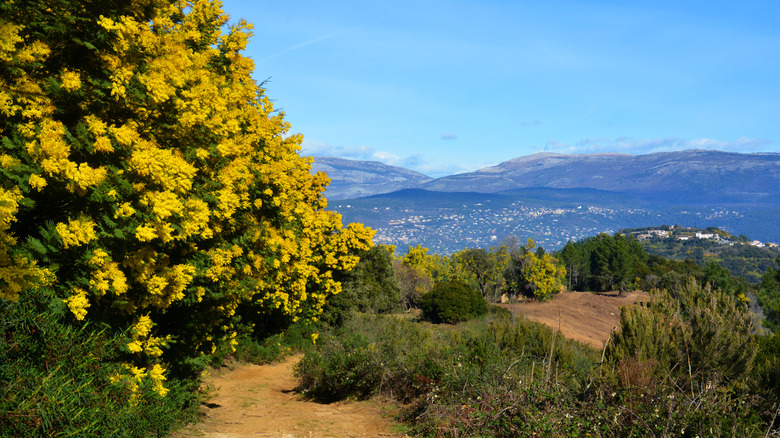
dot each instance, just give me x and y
(736, 176)
(554, 198)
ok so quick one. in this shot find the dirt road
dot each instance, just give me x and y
(582, 316)
(260, 401)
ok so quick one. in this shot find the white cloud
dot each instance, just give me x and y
(626, 145)
(316, 148)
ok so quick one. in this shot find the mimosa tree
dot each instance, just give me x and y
(148, 182)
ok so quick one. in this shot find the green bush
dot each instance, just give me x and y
(697, 335)
(451, 302)
(767, 365)
(693, 350)
(60, 380)
(345, 367)
(501, 377)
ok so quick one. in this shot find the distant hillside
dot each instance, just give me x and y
(356, 179)
(738, 254)
(726, 176)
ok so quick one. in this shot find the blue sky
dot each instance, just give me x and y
(450, 86)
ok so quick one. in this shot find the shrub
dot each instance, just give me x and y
(345, 367)
(693, 349)
(60, 380)
(451, 302)
(767, 365)
(498, 377)
(701, 336)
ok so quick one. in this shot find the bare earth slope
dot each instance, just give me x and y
(260, 401)
(582, 316)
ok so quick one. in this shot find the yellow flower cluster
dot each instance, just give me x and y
(162, 167)
(37, 182)
(71, 80)
(76, 232)
(107, 276)
(9, 36)
(143, 341)
(16, 273)
(78, 303)
(52, 151)
(162, 283)
(136, 377)
(221, 267)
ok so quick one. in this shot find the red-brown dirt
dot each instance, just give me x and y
(260, 401)
(582, 316)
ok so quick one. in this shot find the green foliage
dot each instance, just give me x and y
(370, 354)
(372, 286)
(620, 262)
(693, 350)
(60, 380)
(253, 348)
(769, 298)
(766, 371)
(414, 283)
(700, 336)
(502, 377)
(482, 269)
(741, 259)
(451, 302)
(346, 367)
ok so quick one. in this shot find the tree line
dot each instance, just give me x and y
(384, 282)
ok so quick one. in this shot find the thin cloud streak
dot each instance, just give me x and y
(318, 39)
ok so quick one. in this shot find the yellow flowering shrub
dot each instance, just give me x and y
(151, 183)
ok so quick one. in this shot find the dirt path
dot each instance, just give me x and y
(260, 401)
(583, 316)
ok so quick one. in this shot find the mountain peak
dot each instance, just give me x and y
(356, 179)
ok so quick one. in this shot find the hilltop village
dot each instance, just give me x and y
(684, 233)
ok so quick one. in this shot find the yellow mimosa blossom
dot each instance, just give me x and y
(157, 374)
(77, 232)
(78, 303)
(35, 51)
(6, 161)
(37, 182)
(9, 36)
(124, 210)
(71, 80)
